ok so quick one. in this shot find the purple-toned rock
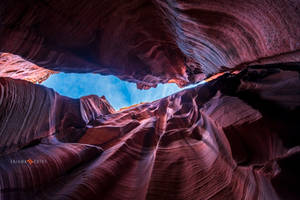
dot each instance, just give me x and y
(219, 140)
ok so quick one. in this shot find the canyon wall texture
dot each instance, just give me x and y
(236, 137)
(14, 66)
(151, 41)
(31, 112)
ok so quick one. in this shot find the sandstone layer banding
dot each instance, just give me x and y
(235, 137)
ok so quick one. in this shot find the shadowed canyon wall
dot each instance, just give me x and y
(235, 137)
(150, 42)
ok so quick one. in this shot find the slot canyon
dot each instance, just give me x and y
(237, 136)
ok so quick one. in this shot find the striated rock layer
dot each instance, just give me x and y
(235, 137)
(151, 41)
(31, 112)
(15, 67)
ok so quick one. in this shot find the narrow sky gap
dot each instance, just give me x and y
(118, 92)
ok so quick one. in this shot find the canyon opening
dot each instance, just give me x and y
(120, 94)
(149, 99)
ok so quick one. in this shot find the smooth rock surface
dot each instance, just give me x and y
(209, 142)
(151, 41)
(235, 137)
(14, 66)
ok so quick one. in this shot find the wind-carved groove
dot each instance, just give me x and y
(235, 137)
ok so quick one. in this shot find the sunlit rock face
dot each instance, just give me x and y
(150, 42)
(235, 137)
(14, 66)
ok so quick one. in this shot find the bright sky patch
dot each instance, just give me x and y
(119, 93)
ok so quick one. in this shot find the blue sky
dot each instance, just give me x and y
(119, 93)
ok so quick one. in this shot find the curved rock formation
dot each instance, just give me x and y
(235, 137)
(151, 41)
(15, 67)
(31, 112)
(213, 141)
